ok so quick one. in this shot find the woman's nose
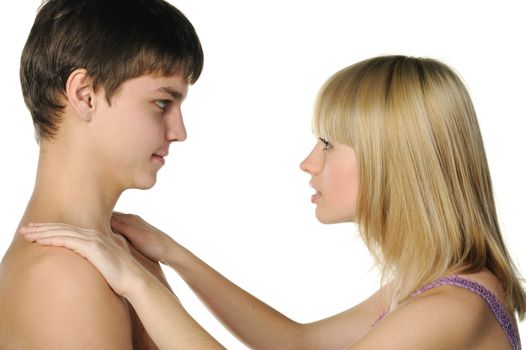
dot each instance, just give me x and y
(312, 164)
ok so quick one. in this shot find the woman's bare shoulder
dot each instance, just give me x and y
(443, 317)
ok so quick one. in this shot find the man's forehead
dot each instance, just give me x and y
(174, 93)
(174, 84)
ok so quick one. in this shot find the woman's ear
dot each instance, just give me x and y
(80, 94)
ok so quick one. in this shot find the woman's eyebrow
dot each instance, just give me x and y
(176, 95)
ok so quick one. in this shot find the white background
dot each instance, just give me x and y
(233, 192)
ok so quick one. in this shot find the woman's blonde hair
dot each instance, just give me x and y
(425, 204)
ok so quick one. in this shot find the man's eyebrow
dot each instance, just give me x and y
(176, 95)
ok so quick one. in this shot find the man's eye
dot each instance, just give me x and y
(326, 144)
(162, 104)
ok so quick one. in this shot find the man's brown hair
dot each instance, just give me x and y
(114, 40)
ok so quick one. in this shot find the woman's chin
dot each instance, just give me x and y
(324, 218)
(328, 219)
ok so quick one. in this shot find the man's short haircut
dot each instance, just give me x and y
(114, 40)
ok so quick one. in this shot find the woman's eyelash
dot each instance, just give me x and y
(326, 144)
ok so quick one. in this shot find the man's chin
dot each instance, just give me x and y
(145, 184)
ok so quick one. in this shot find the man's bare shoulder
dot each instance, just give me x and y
(58, 300)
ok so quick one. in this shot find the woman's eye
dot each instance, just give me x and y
(162, 104)
(326, 144)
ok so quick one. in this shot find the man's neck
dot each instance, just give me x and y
(68, 189)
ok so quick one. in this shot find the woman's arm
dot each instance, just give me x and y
(164, 318)
(255, 323)
(258, 325)
(445, 317)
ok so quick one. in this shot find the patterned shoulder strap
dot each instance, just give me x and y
(492, 301)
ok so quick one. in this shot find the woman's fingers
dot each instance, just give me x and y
(52, 234)
(56, 227)
(110, 255)
(84, 245)
(40, 225)
(144, 237)
(60, 237)
(131, 226)
(121, 221)
(34, 234)
(77, 244)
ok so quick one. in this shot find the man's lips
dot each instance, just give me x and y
(160, 157)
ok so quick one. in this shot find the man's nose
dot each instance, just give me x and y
(175, 130)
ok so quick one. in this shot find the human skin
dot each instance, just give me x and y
(335, 178)
(444, 317)
(49, 297)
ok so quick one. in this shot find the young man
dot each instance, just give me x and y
(104, 82)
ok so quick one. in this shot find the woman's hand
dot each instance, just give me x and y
(162, 315)
(110, 255)
(150, 241)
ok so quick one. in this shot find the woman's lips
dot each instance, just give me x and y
(315, 197)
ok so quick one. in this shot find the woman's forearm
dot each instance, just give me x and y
(258, 325)
(164, 318)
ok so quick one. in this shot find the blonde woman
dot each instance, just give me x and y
(400, 154)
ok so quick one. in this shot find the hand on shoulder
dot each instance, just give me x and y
(63, 302)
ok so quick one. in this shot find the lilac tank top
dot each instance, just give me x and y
(492, 301)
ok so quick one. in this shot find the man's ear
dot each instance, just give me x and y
(80, 94)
